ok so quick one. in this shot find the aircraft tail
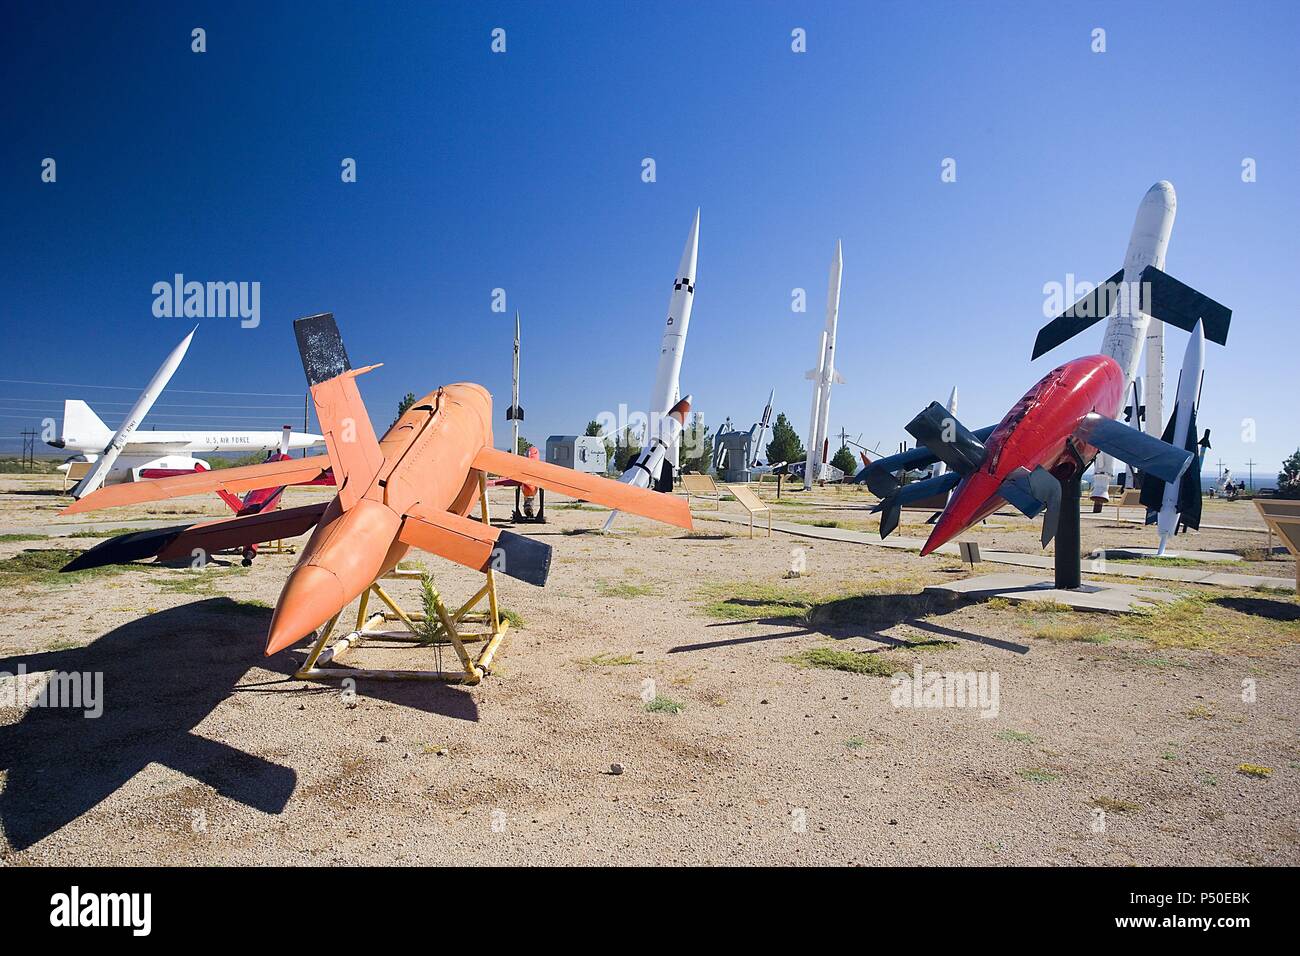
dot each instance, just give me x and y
(349, 437)
(82, 427)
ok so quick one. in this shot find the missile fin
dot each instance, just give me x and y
(947, 439)
(1179, 305)
(1083, 315)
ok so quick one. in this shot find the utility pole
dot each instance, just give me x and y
(844, 438)
(29, 449)
(1250, 474)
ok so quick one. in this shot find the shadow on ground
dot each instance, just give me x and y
(863, 615)
(162, 675)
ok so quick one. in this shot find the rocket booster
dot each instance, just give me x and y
(95, 477)
(645, 470)
(667, 376)
(823, 376)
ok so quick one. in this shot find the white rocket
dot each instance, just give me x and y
(656, 469)
(1143, 298)
(515, 413)
(104, 464)
(667, 389)
(823, 376)
(1130, 325)
(756, 444)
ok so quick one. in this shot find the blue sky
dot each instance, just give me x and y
(523, 171)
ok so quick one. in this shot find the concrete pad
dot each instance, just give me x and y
(1151, 553)
(1022, 588)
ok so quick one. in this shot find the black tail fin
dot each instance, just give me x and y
(321, 347)
(947, 439)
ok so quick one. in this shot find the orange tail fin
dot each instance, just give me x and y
(349, 437)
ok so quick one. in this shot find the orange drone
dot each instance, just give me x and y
(412, 488)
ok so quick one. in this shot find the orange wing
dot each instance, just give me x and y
(613, 494)
(233, 480)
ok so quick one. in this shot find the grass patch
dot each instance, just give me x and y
(829, 658)
(855, 743)
(1037, 775)
(24, 537)
(826, 524)
(42, 567)
(663, 705)
(607, 659)
(514, 617)
(624, 589)
(579, 506)
(743, 601)
(1016, 736)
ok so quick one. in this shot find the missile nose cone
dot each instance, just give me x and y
(682, 407)
(1161, 194)
(311, 596)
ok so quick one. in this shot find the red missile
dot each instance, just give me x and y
(1044, 429)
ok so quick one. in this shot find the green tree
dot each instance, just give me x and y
(593, 429)
(697, 447)
(524, 445)
(845, 461)
(628, 450)
(407, 401)
(785, 444)
(1288, 479)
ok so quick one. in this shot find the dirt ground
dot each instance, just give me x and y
(693, 661)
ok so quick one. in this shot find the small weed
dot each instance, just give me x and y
(663, 705)
(828, 658)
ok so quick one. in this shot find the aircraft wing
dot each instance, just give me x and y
(182, 541)
(476, 545)
(576, 484)
(234, 480)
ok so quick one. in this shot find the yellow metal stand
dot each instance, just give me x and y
(447, 630)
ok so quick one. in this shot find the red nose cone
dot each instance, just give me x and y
(973, 500)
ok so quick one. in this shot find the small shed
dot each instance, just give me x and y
(579, 452)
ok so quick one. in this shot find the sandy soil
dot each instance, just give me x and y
(207, 752)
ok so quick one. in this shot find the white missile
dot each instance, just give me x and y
(757, 443)
(95, 477)
(823, 376)
(667, 390)
(1130, 325)
(515, 414)
(1184, 436)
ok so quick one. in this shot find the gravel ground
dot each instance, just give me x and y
(1110, 745)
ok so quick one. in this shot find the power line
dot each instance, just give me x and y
(136, 388)
(56, 401)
